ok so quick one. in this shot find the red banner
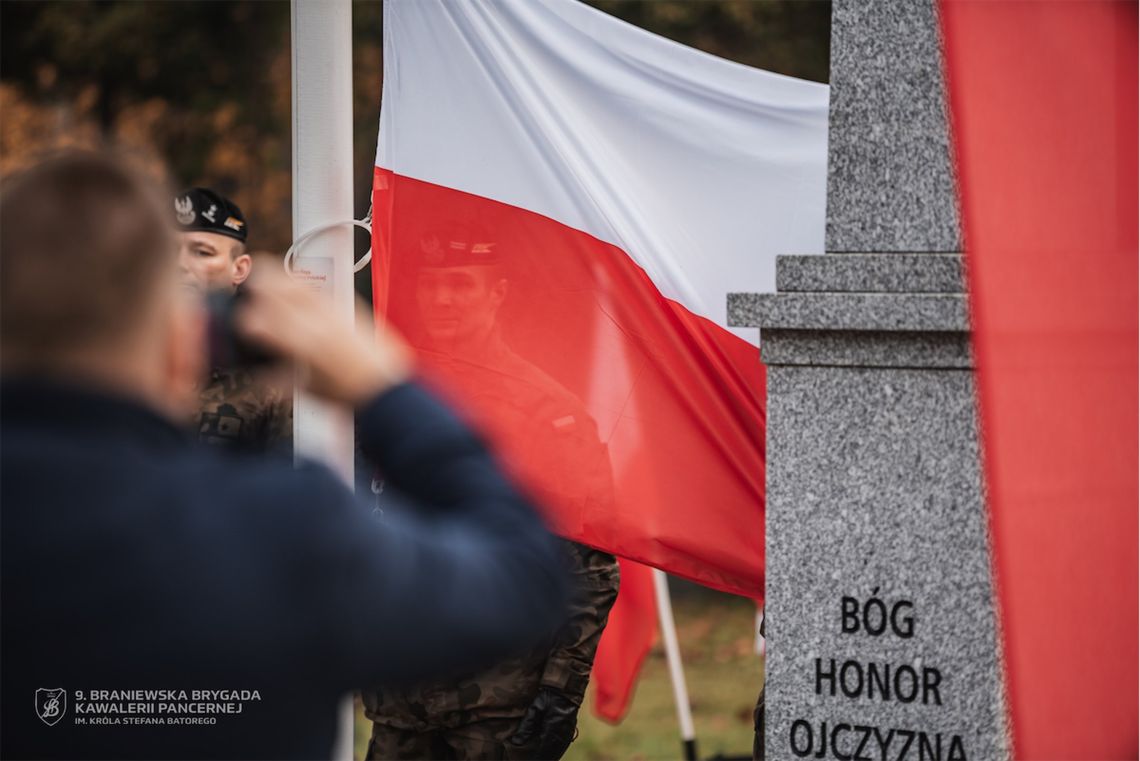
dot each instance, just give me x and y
(1043, 96)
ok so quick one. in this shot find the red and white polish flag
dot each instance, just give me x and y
(562, 202)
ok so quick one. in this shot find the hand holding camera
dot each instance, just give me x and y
(341, 363)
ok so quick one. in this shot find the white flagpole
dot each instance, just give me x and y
(759, 637)
(673, 657)
(322, 194)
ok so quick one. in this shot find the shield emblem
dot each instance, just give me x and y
(51, 704)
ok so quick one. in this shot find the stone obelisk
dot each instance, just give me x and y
(880, 618)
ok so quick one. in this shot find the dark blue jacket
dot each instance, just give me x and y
(134, 560)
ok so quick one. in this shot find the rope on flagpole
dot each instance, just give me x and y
(676, 672)
(363, 224)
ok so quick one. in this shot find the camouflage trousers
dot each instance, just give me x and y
(477, 741)
(758, 721)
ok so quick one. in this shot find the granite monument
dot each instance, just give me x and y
(880, 619)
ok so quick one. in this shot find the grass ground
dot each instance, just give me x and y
(716, 634)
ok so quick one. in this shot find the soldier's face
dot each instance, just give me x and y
(213, 262)
(458, 303)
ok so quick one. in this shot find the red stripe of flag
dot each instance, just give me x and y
(637, 424)
(626, 641)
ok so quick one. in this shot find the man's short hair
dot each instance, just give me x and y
(82, 239)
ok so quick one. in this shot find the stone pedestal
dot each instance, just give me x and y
(881, 631)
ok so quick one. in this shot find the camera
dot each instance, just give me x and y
(227, 348)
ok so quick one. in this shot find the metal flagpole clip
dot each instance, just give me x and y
(364, 224)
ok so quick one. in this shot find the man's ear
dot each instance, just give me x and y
(243, 263)
(499, 291)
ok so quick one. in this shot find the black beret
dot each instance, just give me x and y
(206, 211)
(459, 244)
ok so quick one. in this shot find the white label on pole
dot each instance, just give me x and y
(315, 272)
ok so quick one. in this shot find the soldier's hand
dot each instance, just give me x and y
(339, 362)
(547, 729)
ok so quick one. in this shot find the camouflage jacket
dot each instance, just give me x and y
(238, 412)
(507, 690)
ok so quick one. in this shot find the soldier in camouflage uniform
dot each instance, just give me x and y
(758, 715)
(525, 707)
(238, 411)
(242, 412)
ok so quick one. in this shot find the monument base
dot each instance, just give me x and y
(880, 617)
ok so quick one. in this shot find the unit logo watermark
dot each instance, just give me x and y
(51, 704)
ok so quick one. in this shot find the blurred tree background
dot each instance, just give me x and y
(199, 92)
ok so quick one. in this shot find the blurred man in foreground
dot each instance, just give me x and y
(238, 410)
(135, 562)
